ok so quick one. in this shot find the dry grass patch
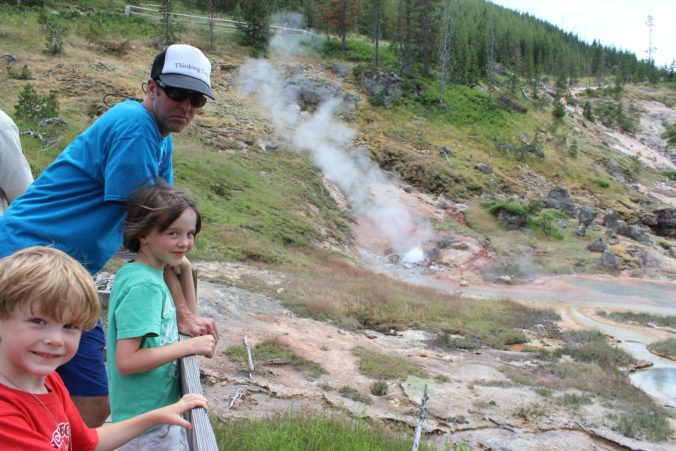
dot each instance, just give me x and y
(273, 351)
(382, 366)
(358, 298)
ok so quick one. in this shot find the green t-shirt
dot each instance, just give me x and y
(141, 306)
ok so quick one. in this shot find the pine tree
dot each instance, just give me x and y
(339, 15)
(256, 28)
(587, 111)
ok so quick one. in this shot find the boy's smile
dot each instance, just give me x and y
(32, 346)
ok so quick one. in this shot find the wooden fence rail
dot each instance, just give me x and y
(201, 437)
(203, 21)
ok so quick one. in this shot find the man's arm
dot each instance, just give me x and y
(185, 299)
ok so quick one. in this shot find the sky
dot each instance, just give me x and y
(615, 23)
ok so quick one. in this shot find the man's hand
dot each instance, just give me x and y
(196, 326)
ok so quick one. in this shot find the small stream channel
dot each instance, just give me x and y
(597, 291)
(659, 381)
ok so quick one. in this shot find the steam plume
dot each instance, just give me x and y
(330, 142)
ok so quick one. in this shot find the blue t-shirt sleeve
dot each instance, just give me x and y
(134, 160)
(167, 170)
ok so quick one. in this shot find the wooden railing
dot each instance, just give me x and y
(202, 436)
(203, 21)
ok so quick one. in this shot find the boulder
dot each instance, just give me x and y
(389, 85)
(511, 220)
(309, 93)
(560, 199)
(610, 260)
(632, 231)
(598, 245)
(586, 215)
(340, 70)
(666, 222)
(485, 168)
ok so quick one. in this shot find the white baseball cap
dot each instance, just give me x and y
(183, 66)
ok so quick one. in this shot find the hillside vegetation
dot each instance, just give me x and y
(268, 206)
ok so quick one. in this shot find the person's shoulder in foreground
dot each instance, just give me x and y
(15, 172)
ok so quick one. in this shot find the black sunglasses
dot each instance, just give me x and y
(179, 95)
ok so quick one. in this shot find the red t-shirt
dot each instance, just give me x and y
(26, 425)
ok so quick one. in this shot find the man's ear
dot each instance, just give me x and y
(151, 87)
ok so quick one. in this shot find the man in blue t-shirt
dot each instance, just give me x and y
(78, 203)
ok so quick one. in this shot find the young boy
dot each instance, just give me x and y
(46, 300)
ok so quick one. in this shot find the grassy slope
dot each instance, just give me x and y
(271, 207)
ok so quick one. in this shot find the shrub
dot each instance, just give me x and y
(587, 111)
(511, 207)
(35, 107)
(533, 206)
(379, 388)
(546, 223)
(643, 425)
(55, 32)
(573, 150)
(353, 394)
(665, 348)
(559, 110)
(602, 183)
(24, 74)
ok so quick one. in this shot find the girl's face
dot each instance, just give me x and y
(168, 248)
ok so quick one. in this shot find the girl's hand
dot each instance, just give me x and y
(185, 265)
(203, 345)
(171, 414)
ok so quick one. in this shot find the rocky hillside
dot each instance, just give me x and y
(302, 159)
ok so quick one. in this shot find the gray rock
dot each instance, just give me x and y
(548, 202)
(559, 194)
(610, 220)
(485, 168)
(511, 220)
(666, 222)
(610, 260)
(632, 231)
(586, 215)
(340, 70)
(598, 245)
(309, 93)
(568, 207)
(380, 84)
(560, 199)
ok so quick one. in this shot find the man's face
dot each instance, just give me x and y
(171, 115)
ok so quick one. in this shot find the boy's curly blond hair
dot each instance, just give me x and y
(50, 282)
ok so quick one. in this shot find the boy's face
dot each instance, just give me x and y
(169, 247)
(33, 345)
